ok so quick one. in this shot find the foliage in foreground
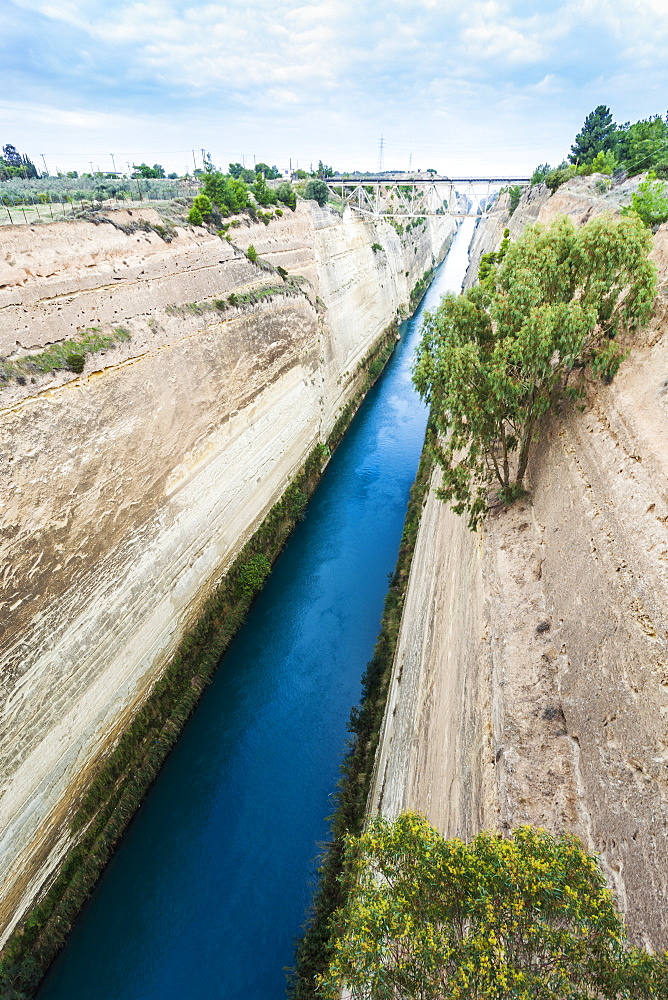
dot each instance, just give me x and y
(495, 359)
(524, 917)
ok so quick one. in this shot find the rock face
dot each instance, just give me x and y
(128, 489)
(530, 681)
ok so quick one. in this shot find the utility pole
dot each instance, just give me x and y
(113, 161)
(194, 161)
(380, 154)
(92, 172)
(46, 169)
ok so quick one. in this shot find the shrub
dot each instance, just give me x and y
(497, 919)
(251, 253)
(195, 216)
(559, 176)
(76, 361)
(253, 573)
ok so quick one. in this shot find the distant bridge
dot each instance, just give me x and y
(416, 195)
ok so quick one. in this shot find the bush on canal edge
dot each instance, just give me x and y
(127, 772)
(315, 948)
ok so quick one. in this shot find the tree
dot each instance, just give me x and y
(643, 144)
(11, 156)
(514, 195)
(13, 164)
(540, 173)
(316, 191)
(143, 170)
(597, 135)
(286, 194)
(649, 202)
(270, 173)
(493, 361)
(229, 194)
(263, 194)
(201, 209)
(517, 918)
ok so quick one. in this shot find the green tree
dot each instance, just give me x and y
(493, 361)
(251, 253)
(228, 193)
(514, 195)
(597, 135)
(540, 173)
(263, 194)
(643, 144)
(270, 173)
(316, 190)
(286, 194)
(13, 164)
(201, 209)
(526, 917)
(143, 170)
(650, 201)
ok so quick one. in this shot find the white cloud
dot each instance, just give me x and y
(306, 77)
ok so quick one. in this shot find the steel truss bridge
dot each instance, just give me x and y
(416, 195)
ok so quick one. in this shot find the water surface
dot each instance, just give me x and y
(209, 886)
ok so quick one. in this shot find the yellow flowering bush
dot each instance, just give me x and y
(527, 917)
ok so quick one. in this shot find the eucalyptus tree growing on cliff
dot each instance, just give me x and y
(495, 359)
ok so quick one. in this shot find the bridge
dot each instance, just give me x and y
(416, 195)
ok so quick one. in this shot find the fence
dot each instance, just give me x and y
(54, 199)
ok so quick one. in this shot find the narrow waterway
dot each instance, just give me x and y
(209, 887)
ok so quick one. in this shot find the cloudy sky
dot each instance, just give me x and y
(457, 85)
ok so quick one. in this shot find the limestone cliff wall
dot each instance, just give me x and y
(530, 680)
(128, 489)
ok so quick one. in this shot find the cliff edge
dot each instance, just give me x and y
(133, 476)
(530, 683)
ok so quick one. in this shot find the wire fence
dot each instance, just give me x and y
(53, 199)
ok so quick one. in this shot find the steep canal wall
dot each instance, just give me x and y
(130, 487)
(529, 684)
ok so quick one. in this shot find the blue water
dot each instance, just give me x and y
(208, 890)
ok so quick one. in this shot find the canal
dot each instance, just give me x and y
(209, 887)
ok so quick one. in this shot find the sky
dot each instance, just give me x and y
(459, 86)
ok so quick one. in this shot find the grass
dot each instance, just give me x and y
(67, 355)
(420, 287)
(235, 299)
(127, 772)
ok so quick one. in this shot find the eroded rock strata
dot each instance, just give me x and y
(530, 681)
(129, 488)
